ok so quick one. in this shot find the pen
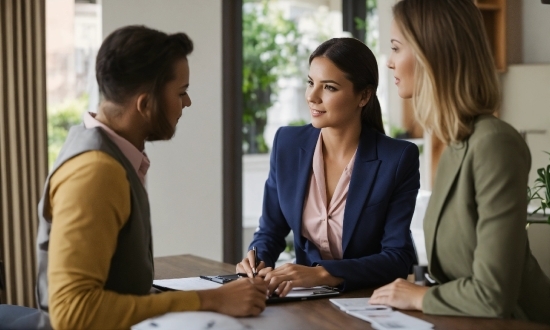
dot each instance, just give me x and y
(255, 261)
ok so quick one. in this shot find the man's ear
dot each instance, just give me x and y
(143, 105)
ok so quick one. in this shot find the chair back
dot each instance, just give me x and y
(2, 282)
(14, 317)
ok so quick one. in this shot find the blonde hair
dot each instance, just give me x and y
(455, 75)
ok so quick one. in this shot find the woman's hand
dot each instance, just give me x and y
(242, 297)
(282, 279)
(400, 294)
(247, 264)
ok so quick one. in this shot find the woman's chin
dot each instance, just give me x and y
(404, 94)
(315, 122)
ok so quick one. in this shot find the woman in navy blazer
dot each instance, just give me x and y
(376, 245)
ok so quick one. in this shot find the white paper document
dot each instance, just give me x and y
(380, 317)
(197, 283)
(190, 321)
(186, 284)
(391, 320)
(357, 304)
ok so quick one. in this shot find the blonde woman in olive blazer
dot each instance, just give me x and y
(474, 226)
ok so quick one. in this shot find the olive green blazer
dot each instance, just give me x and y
(474, 226)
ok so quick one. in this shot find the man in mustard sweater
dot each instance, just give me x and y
(94, 242)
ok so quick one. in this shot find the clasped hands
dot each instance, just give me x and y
(399, 294)
(282, 279)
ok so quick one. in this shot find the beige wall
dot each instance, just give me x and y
(394, 101)
(525, 106)
(185, 179)
(526, 96)
(536, 32)
(60, 75)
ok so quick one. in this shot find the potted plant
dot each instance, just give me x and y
(540, 192)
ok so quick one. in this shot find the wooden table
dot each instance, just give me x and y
(320, 313)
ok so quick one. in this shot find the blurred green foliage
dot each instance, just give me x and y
(541, 190)
(271, 49)
(298, 122)
(60, 119)
(370, 25)
(397, 132)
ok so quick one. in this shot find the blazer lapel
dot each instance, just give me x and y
(363, 177)
(305, 160)
(447, 171)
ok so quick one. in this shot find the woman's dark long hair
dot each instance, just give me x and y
(136, 59)
(357, 61)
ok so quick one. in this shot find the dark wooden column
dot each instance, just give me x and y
(232, 129)
(350, 10)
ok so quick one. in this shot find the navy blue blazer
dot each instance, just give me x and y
(376, 240)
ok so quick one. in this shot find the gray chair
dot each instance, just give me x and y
(14, 317)
(2, 285)
(420, 272)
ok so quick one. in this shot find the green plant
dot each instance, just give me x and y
(398, 132)
(298, 122)
(370, 25)
(60, 119)
(542, 186)
(271, 46)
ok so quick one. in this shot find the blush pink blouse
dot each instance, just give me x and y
(322, 223)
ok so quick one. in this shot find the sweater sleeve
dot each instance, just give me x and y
(90, 203)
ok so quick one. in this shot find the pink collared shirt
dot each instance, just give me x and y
(323, 225)
(139, 160)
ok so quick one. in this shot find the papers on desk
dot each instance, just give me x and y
(186, 284)
(357, 304)
(197, 283)
(380, 317)
(192, 321)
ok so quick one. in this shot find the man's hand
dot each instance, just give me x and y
(242, 297)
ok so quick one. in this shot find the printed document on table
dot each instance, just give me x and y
(197, 283)
(357, 304)
(391, 320)
(186, 284)
(190, 321)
